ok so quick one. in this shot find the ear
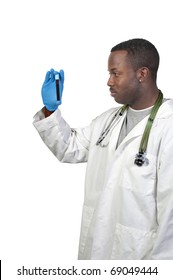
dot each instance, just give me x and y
(142, 74)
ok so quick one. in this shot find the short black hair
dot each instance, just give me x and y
(141, 53)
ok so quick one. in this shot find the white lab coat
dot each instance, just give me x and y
(128, 210)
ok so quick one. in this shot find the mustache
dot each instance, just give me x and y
(111, 89)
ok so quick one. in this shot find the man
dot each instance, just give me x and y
(128, 205)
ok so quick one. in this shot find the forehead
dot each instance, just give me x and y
(118, 59)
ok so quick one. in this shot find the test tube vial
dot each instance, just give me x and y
(57, 87)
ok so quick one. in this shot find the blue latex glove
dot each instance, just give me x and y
(48, 90)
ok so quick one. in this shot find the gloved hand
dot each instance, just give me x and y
(48, 90)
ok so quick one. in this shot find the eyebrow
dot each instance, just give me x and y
(112, 69)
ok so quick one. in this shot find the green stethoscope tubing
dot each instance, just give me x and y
(146, 134)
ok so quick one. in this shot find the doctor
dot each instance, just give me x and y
(128, 205)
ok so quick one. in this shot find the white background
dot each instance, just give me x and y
(40, 198)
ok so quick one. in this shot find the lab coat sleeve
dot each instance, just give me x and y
(163, 246)
(67, 144)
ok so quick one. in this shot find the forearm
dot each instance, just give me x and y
(68, 145)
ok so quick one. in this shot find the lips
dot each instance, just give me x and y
(112, 91)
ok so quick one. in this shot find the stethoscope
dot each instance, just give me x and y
(140, 158)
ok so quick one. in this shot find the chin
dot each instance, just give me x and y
(118, 101)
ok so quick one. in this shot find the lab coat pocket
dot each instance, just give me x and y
(131, 243)
(86, 222)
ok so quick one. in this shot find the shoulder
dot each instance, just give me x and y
(106, 115)
(104, 119)
(164, 118)
(166, 110)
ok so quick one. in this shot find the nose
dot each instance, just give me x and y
(110, 81)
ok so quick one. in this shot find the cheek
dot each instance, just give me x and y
(124, 84)
(127, 88)
(130, 83)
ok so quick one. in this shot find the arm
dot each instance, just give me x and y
(68, 145)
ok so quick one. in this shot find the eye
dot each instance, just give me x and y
(114, 74)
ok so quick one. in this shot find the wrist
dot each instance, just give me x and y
(46, 112)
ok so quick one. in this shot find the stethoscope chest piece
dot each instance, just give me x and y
(140, 159)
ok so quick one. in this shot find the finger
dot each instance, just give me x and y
(61, 73)
(52, 74)
(47, 77)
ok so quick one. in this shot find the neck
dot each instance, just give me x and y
(146, 100)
